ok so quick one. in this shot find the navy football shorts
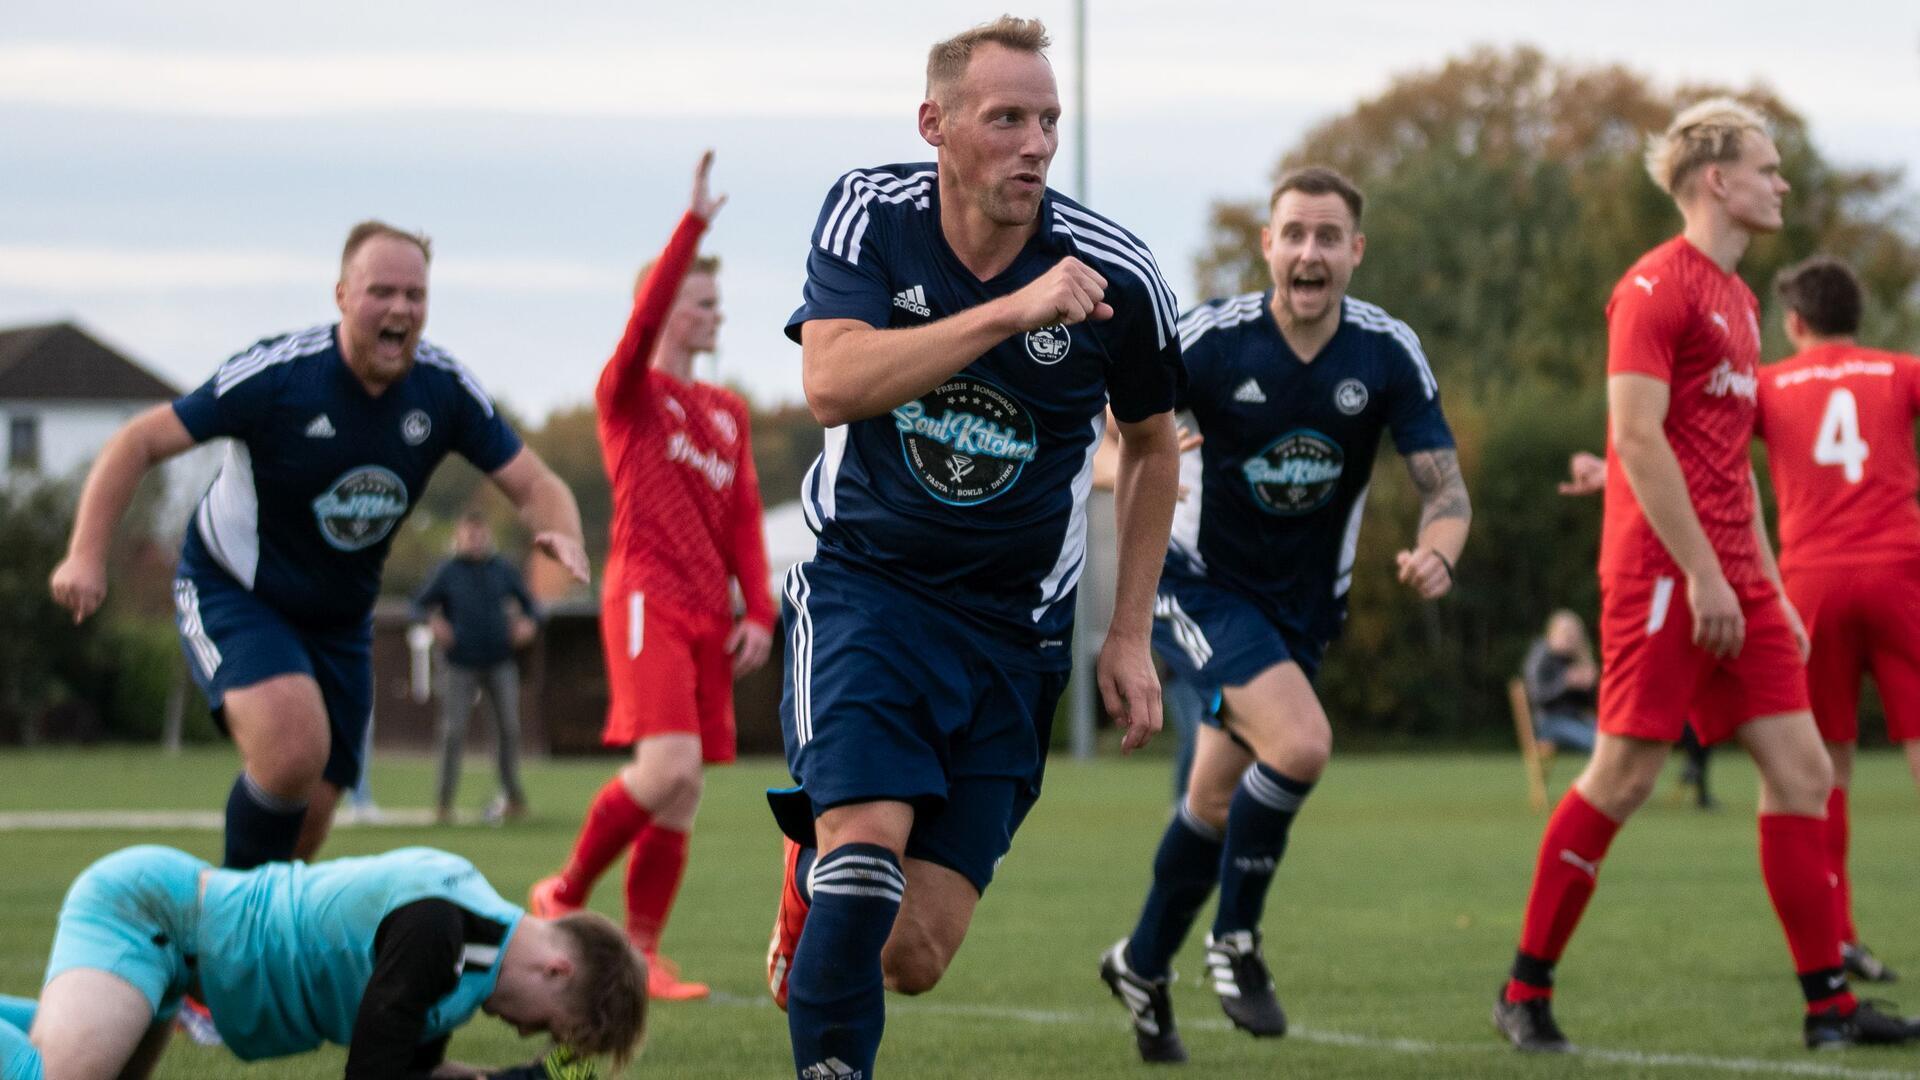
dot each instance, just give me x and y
(233, 639)
(889, 696)
(1212, 636)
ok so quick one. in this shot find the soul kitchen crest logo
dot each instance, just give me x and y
(966, 441)
(1049, 345)
(1350, 397)
(1296, 474)
(360, 508)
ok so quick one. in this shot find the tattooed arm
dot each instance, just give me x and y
(1444, 515)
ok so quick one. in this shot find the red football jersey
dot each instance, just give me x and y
(1678, 317)
(1838, 423)
(686, 499)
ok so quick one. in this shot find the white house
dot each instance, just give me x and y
(62, 396)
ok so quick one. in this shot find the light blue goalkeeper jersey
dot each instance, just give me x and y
(286, 950)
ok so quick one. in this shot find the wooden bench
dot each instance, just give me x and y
(1535, 756)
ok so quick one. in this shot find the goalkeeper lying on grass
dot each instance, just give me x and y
(385, 955)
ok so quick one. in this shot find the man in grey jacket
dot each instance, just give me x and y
(465, 604)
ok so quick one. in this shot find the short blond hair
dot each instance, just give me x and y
(702, 264)
(947, 61)
(608, 993)
(358, 236)
(1706, 133)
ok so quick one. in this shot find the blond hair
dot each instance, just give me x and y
(702, 264)
(608, 993)
(1706, 133)
(358, 236)
(947, 60)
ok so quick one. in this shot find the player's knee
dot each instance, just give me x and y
(669, 788)
(913, 960)
(1802, 787)
(1304, 758)
(1210, 806)
(1617, 793)
(288, 769)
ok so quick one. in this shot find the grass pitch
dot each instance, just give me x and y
(1390, 925)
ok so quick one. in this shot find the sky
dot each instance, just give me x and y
(178, 177)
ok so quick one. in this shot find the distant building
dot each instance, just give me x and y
(63, 393)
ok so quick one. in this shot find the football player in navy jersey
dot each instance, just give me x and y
(333, 433)
(1290, 390)
(962, 330)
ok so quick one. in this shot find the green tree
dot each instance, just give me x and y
(1506, 195)
(108, 676)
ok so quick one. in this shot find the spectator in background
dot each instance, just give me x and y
(465, 604)
(1561, 677)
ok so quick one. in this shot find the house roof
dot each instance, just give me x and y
(61, 361)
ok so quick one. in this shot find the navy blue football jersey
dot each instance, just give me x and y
(1289, 450)
(975, 493)
(320, 473)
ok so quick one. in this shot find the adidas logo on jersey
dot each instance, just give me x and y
(1250, 393)
(320, 427)
(914, 300)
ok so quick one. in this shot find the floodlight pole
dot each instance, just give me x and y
(1080, 702)
(1080, 100)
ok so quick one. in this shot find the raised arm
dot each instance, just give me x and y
(1445, 513)
(1637, 413)
(851, 370)
(79, 583)
(1146, 484)
(547, 509)
(751, 640)
(625, 374)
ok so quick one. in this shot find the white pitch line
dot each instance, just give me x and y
(64, 820)
(1418, 1047)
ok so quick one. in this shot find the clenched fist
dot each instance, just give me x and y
(1069, 293)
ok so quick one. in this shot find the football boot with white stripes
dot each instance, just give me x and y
(1246, 989)
(1861, 964)
(1150, 1006)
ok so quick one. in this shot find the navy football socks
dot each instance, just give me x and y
(261, 828)
(836, 999)
(1257, 823)
(1184, 870)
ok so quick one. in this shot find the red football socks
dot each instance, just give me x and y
(653, 878)
(612, 822)
(1837, 839)
(1793, 861)
(1576, 840)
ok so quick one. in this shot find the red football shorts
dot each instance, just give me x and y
(666, 674)
(1862, 618)
(1653, 678)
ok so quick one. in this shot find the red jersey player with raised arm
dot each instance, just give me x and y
(686, 520)
(1693, 626)
(1838, 421)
